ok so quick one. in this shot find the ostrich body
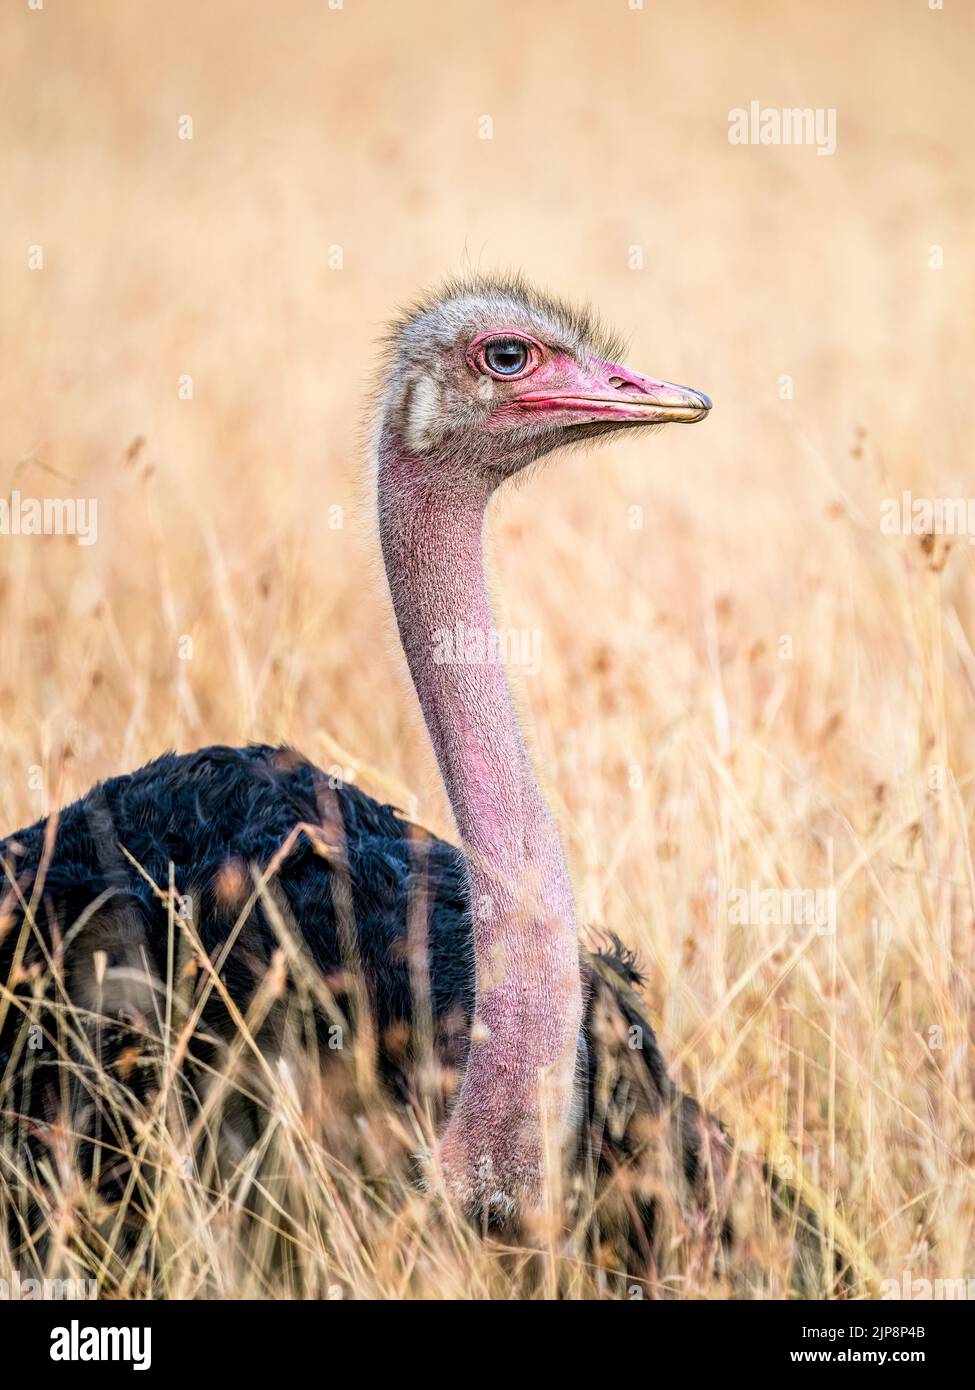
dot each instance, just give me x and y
(483, 380)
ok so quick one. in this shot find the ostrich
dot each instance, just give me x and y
(483, 379)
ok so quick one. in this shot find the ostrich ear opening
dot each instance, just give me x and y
(421, 414)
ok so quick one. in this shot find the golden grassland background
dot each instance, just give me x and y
(662, 665)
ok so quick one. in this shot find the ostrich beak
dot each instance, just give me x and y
(605, 391)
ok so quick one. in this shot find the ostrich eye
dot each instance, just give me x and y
(506, 356)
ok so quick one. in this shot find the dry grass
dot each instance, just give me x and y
(685, 754)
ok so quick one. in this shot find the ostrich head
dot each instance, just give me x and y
(483, 379)
(494, 373)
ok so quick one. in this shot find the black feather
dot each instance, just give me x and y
(345, 860)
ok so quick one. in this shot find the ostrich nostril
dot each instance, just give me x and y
(622, 383)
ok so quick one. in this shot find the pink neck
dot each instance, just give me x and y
(516, 1093)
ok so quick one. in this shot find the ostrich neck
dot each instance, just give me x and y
(516, 1091)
